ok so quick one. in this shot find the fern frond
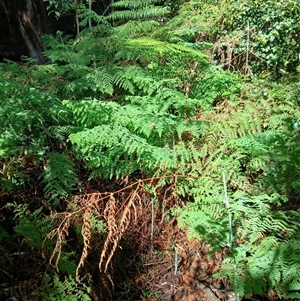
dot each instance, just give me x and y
(133, 10)
(98, 80)
(26, 113)
(92, 145)
(60, 132)
(59, 177)
(85, 15)
(195, 21)
(121, 81)
(163, 47)
(69, 289)
(132, 29)
(134, 4)
(293, 286)
(138, 13)
(67, 264)
(33, 226)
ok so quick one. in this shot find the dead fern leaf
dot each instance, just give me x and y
(109, 216)
(62, 231)
(86, 232)
(117, 225)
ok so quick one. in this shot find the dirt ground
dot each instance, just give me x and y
(155, 260)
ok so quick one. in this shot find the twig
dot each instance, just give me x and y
(152, 223)
(208, 292)
(247, 67)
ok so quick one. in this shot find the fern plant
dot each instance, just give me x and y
(261, 259)
(194, 24)
(132, 10)
(126, 137)
(134, 108)
(257, 159)
(28, 118)
(120, 105)
(33, 226)
(273, 153)
(69, 289)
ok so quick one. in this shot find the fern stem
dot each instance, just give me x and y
(231, 237)
(152, 223)
(227, 204)
(247, 67)
(90, 19)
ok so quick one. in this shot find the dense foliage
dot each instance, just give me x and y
(268, 31)
(132, 111)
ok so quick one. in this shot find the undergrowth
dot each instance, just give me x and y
(127, 113)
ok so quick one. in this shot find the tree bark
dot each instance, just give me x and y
(24, 23)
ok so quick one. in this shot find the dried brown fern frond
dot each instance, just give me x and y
(112, 228)
(86, 232)
(62, 232)
(119, 211)
(79, 211)
(91, 206)
(117, 223)
(229, 56)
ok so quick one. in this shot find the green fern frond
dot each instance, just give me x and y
(269, 249)
(133, 10)
(56, 290)
(293, 286)
(98, 80)
(151, 95)
(67, 264)
(132, 29)
(292, 296)
(60, 132)
(134, 4)
(85, 15)
(33, 226)
(94, 49)
(121, 81)
(61, 54)
(201, 225)
(195, 20)
(26, 113)
(59, 177)
(87, 113)
(163, 47)
(139, 13)
(111, 150)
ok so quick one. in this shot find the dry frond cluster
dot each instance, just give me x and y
(226, 53)
(117, 210)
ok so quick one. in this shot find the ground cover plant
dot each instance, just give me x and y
(136, 166)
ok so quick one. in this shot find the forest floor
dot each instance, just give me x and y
(155, 260)
(179, 268)
(182, 269)
(168, 265)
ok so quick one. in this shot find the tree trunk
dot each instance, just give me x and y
(22, 24)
